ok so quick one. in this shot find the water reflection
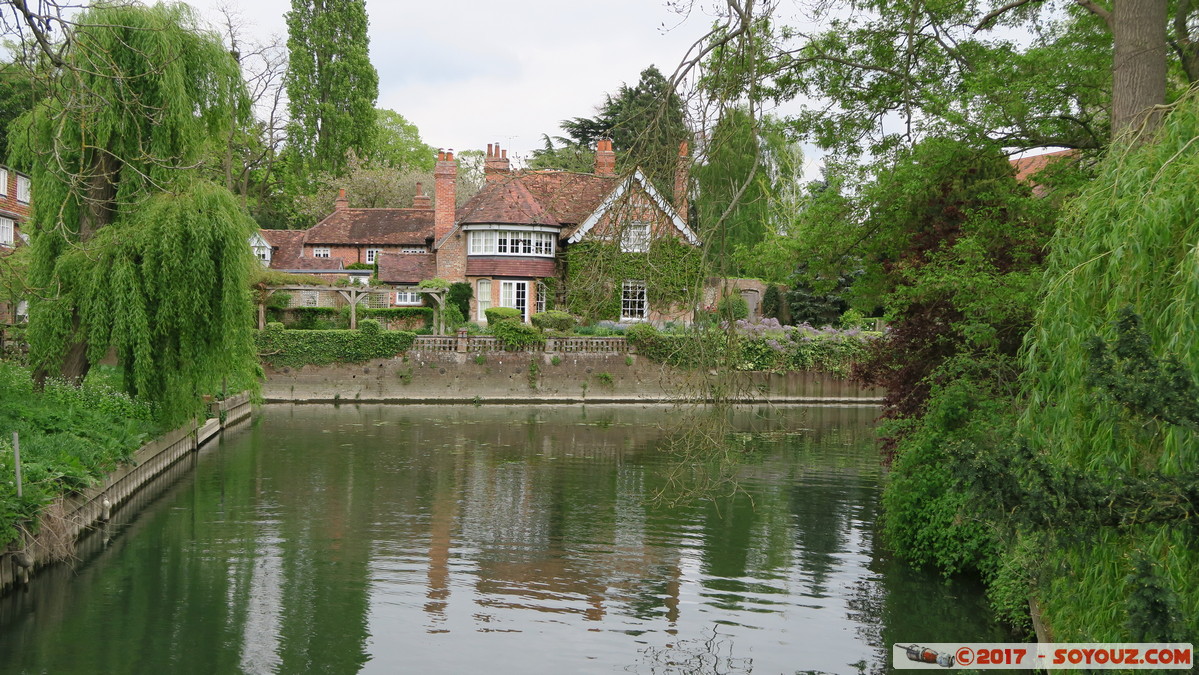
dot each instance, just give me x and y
(385, 539)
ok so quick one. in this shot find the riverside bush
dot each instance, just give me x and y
(70, 437)
(295, 348)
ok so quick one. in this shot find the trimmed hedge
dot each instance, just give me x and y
(499, 314)
(281, 348)
(553, 320)
(515, 335)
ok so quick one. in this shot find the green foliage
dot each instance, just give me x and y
(553, 320)
(397, 143)
(360, 266)
(605, 379)
(434, 283)
(423, 313)
(453, 316)
(515, 335)
(732, 307)
(852, 319)
(70, 438)
(331, 85)
(135, 251)
(772, 302)
(497, 315)
(672, 271)
(534, 372)
(459, 296)
(17, 96)
(296, 348)
(646, 123)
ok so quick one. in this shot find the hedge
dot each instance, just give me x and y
(281, 348)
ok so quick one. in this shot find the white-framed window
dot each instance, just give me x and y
(635, 237)
(511, 242)
(8, 231)
(412, 250)
(542, 292)
(372, 253)
(23, 310)
(633, 306)
(22, 188)
(408, 298)
(483, 297)
(3, 182)
(320, 252)
(515, 294)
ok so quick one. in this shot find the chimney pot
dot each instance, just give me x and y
(341, 202)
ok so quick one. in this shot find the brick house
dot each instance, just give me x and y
(14, 210)
(506, 241)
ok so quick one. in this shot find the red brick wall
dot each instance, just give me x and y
(445, 175)
(9, 205)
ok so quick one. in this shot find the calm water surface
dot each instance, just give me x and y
(424, 539)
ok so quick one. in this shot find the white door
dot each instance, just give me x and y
(515, 294)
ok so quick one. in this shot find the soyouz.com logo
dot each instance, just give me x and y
(1044, 656)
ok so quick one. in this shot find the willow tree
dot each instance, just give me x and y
(132, 249)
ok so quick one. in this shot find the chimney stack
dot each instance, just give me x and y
(341, 202)
(681, 171)
(421, 200)
(445, 175)
(495, 165)
(605, 158)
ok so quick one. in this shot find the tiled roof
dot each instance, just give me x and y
(1029, 166)
(507, 266)
(569, 197)
(289, 252)
(507, 201)
(406, 268)
(373, 226)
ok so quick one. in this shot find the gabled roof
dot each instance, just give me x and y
(570, 197)
(373, 226)
(405, 268)
(1027, 167)
(635, 179)
(289, 253)
(505, 201)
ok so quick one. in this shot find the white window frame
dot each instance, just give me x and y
(23, 189)
(483, 297)
(23, 311)
(512, 242)
(408, 298)
(372, 254)
(321, 252)
(542, 291)
(8, 232)
(634, 238)
(515, 294)
(634, 302)
(3, 182)
(412, 250)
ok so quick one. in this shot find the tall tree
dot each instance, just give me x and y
(132, 249)
(646, 123)
(397, 143)
(331, 84)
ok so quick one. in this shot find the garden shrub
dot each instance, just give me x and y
(296, 348)
(553, 320)
(459, 296)
(732, 308)
(500, 314)
(516, 336)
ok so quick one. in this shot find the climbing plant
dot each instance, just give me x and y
(595, 270)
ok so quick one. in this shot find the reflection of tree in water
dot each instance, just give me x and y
(712, 655)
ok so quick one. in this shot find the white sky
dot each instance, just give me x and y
(473, 72)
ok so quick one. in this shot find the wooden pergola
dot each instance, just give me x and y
(354, 295)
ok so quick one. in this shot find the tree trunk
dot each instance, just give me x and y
(1139, 68)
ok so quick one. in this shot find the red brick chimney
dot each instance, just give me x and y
(341, 202)
(445, 175)
(421, 200)
(681, 170)
(605, 158)
(495, 165)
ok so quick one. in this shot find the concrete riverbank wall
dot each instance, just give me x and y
(545, 377)
(76, 514)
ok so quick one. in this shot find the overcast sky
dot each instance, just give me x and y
(472, 72)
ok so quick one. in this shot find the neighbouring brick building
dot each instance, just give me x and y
(506, 241)
(14, 210)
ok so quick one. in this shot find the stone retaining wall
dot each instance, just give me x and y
(543, 377)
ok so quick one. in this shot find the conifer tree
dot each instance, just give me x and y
(331, 84)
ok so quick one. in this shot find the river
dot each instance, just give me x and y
(500, 539)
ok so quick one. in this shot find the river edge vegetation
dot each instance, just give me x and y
(1039, 365)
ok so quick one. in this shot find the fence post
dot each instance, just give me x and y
(16, 452)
